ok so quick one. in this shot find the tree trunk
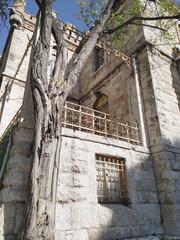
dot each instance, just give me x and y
(49, 96)
(41, 206)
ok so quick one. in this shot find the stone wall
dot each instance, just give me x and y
(114, 84)
(117, 81)
(13, 76)
(13, 196)
(153, 174)
(160, 85)
(79, 216)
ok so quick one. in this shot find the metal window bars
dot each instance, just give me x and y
(89, 120)
(111, 179)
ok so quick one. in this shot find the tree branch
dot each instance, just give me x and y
(61, 56)
(39, 3)
(148, 25)
(73, 73)
(137, 18)
(43, 43)
(62, 48)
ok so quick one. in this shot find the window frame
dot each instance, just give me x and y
(120, 189)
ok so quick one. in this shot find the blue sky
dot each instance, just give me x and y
(67, 10)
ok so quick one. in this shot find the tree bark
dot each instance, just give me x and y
(49, 96)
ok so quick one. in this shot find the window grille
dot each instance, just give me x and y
(111, 179)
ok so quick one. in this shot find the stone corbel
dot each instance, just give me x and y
(16, 18)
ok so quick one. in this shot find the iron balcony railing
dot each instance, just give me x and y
(89, 120)
(82, 118)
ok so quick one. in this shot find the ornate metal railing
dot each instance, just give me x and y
(89, 120)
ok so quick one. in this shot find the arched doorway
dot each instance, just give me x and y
(101, 104)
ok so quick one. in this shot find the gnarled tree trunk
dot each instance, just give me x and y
(49, 96)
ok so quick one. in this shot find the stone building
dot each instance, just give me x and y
(120, 157)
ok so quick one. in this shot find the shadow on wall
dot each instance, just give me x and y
(117, 222)
(175, 72)
(143, 217)
(89, 220)
(11, 218)
(112, 221)
(13, 193)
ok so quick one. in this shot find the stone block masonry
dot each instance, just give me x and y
(152, 174)
(160, 86)
(79, 215)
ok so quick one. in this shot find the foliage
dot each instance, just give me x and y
(90, 10)
(128, 17)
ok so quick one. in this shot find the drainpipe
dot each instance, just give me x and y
(143, 126)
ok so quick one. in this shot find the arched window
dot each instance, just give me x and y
(101, 103)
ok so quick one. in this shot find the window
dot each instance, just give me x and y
(111, 179)
(99, 58)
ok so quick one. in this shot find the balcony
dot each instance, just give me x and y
(85, 119)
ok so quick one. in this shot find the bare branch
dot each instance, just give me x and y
(148, 25)
(138, 18)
